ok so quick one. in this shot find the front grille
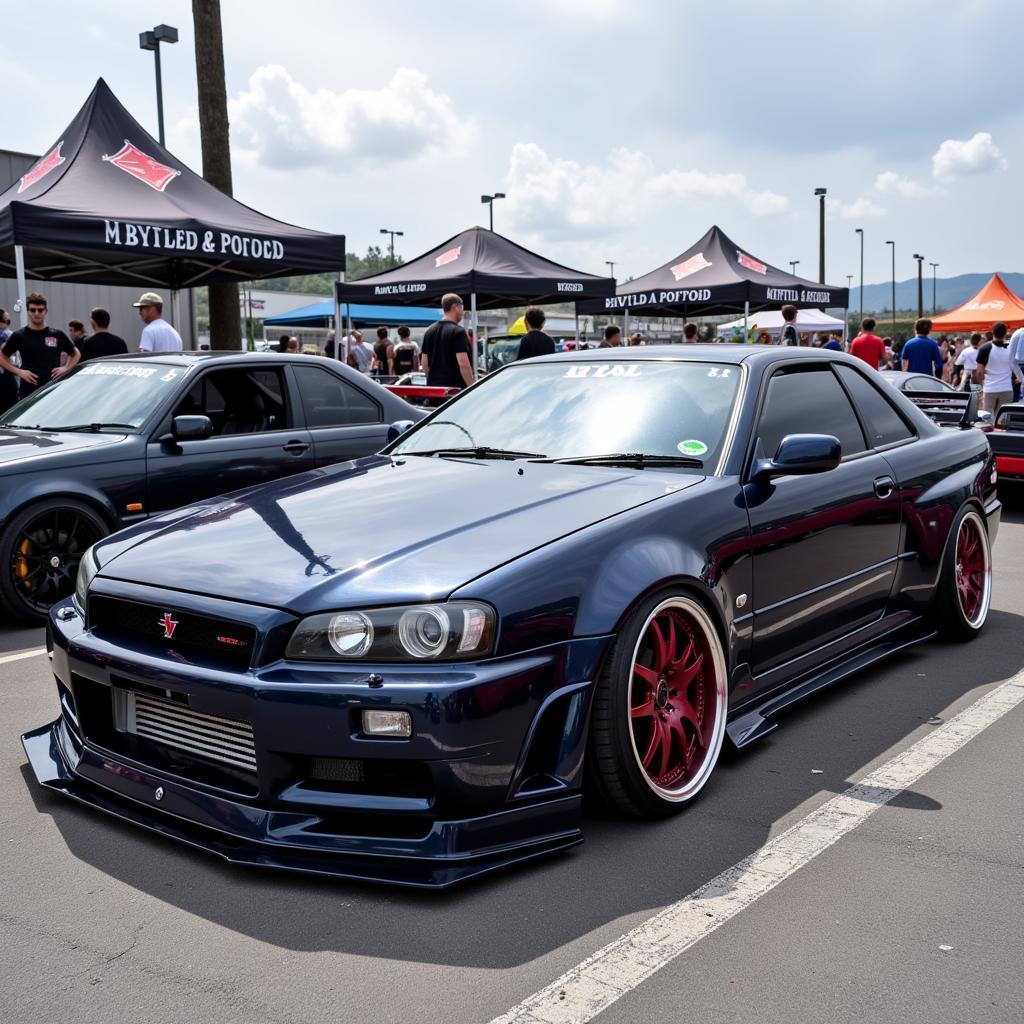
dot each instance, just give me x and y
(219, 640)
(226, 740)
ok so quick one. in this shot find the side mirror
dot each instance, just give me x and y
(191, 428)
(397, 429)
(800, 454)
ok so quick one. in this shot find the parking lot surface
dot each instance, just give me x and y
(913, 915)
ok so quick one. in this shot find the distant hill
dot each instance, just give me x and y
(949, 292)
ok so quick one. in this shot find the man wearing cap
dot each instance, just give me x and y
(158, 335)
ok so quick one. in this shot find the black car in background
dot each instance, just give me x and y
(125, 438)
(943, 403)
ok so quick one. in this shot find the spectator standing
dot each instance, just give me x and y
(789, 334)
(76, 332)
(328, 344)
(158, 335)
(293, 344)
(101, 342)
(921, 354)
(967, 360)
(8, 381)
(446, 350)
(1017, 360)
(833, 343)
(996, 372)
(407, 354)
(690, 334)
(282, 343)
(612, 337)
(868, 345)
(360, 354)
(535, 342)
(40, 348)
(383, 364)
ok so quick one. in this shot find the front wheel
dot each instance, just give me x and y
(965, 584)
(660, 705)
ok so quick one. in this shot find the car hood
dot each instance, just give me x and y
(18, 446)
(378, 530)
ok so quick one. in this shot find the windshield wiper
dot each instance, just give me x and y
(479, 452)
(92, 427)
(639, 459)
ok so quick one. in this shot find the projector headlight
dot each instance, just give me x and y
(454, 631)
(87, 569)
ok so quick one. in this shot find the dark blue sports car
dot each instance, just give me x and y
(587, 571)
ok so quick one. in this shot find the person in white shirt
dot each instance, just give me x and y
(158, 335)
(1017, 360)
(996, 371)
(967, 360)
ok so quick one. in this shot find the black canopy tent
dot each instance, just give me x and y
(716, 276)
(491, 270)
(108, 203)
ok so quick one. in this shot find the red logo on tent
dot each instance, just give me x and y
(750, 263)
(41, 169)
(690, 266)
(448, 257)
(136, 163)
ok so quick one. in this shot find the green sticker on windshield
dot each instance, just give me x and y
(692, 447)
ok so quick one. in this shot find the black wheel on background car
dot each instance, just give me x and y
(660, 704)
(965, 583)
(40, 549)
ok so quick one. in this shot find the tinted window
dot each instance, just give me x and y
(808, 402)
(332, 402)
(238, 401)
(883, 424)
(928, 384)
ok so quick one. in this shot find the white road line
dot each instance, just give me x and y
(602, 979)
(4, 659)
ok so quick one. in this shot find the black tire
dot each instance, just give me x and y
(673, 710)
(964, 592)
(58, 528)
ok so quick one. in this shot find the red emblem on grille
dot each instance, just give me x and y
(139, 165)
(169, 624)
(448, 257)
(42, 168)
(750, 263)
(690, 266)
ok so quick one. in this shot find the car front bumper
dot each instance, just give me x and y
(491, 776)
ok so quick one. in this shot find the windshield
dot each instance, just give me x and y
(115, 392)
(568, 409)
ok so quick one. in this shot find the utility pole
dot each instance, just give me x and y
(610, 264)
(920, 284)
(892, 246)
(391, 244)
(152, 41)
(821, 193)
(225, 319)
(860, 231)
(793, 264)
(489, 200)
(935, 307)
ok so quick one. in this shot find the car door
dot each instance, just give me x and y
(824, 546)
(344, 421)
(254, 438)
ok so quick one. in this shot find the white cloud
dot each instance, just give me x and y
(908, 188)
(286, 126)
(977, 155)
(549, 195)
(861, 207)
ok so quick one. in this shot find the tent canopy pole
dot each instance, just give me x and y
(337, 317)
(746, 319)
(476, 340)
(19, 263)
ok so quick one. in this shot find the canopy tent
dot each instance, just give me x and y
(716, 276)
(770, 320)
(993, 303)
(321, 314)
(108, 203)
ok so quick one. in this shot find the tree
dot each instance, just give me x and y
(225, 320)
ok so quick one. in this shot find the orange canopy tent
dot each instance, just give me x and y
(993, 303)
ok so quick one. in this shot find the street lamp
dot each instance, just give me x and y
(820, 193)
(935, 308)
(391, 243)
(152, 41)
(793, 264)
(860, 231)
(611, 267)
(920, 285)
(489, 200)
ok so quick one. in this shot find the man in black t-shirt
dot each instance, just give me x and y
(446, 351)
(101, 342)
(789, 334)
(535, 342)
(40, 347)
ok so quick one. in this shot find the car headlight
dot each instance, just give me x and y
(87, 569)
(453, 631)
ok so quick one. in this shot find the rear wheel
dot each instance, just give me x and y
(965, 585)
(40, 549)
(659, 709)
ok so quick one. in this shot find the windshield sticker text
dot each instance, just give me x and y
(720, 371)
(111, 370)
(604, 370)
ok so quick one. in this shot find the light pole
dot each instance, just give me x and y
(893, 245)
(935, 308)
(391, 242)
(151, 41)
(793, 264)
(920, 285)
(820, 193)
(489, 200)
(610, 264)
(860, 231)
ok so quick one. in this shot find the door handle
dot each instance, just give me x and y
(295, 447)
(884, 486)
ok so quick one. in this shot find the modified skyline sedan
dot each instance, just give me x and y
(586, 572)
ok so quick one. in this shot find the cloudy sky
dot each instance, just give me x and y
(620, 129)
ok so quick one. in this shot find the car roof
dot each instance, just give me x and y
(719, 352)
(197, 358)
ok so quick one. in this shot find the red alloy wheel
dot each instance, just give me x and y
(973, 570)
(677, 700)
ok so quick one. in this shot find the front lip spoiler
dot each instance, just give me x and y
(50, 766)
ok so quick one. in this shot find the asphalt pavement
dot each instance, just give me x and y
(913, 916)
